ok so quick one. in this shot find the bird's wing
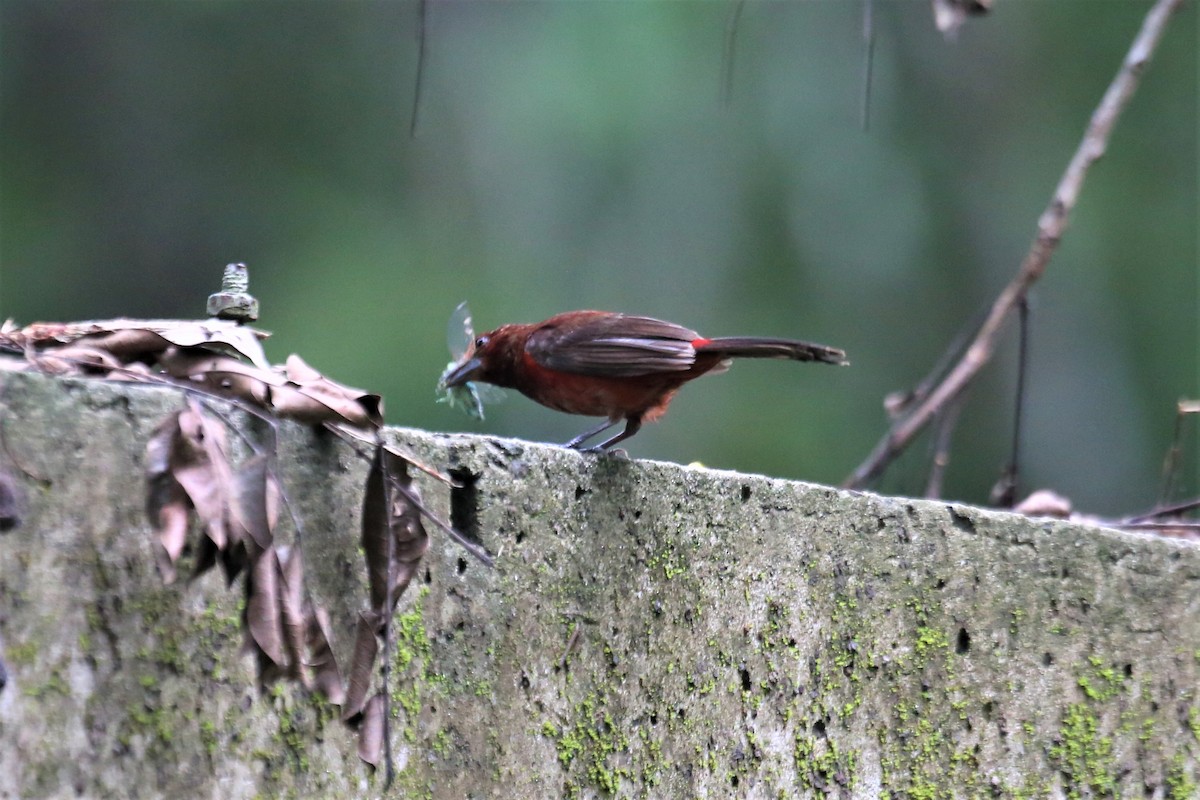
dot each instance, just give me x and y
(612, 345)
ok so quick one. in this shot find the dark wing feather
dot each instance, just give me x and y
(612, 345)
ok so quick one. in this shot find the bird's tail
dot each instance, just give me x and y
(755, 347)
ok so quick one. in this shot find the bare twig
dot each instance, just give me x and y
(389, 611)
(1175, 452)
(416, 104)
(1051, 226)
(1163, 511)
(897, 404)
(946, 420)
(471, 547)
(351, 435)
(462, 541)
(1004, 493)
(1155, 526)
(725, 92)
(868, 61)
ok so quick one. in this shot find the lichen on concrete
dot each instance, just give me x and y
(648, 631)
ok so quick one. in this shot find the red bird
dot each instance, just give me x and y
(602, 364)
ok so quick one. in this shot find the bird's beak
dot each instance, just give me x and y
(462, 373)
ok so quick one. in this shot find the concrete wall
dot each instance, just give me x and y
(648, 631)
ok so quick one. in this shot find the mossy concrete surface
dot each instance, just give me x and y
(648, 631)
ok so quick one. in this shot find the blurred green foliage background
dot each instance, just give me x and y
(575, 155)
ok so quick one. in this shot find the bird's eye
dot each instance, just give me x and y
(481, 342)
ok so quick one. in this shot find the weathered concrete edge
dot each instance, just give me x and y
(496, 463)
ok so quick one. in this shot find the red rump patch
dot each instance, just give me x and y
(699, 343)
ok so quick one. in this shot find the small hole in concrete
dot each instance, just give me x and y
(1047, 659)
(461, 566)
(464, 503)
(746, 492)
(962, 521)
(963, 645)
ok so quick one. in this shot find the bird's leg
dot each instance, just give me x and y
(590, 432)
(632, 426)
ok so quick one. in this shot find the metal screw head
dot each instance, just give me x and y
(234, 301)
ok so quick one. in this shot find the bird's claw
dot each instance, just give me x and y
(600, 450)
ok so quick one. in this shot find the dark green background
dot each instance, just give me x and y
(575, 155)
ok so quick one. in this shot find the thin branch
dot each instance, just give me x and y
(420, 77)
(1005, 492)
(389, 611)
(462, 541)
(947, 419)
(725, 93)
(1164, 511)
(1051, 226)
(1171, 464)
(471, 547)
(898, 404)
(351, 435)
(868, 61)
(1154, 526)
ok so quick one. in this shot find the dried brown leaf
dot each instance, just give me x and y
(291, 402)
(351, 406)
(75, 358)
(199, 463)
(263, 613)
(412, 541)
(327, 676)
(132, 338)
(370, 732)
(172, 525)
(298, 392)
(256, 511)
(167, 504)
(366, 648)
(393, 538)
(222, 334)
(223, 374)
(130, 344)
(377, 542)
(295, 622)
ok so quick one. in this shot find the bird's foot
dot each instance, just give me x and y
(600, 450)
